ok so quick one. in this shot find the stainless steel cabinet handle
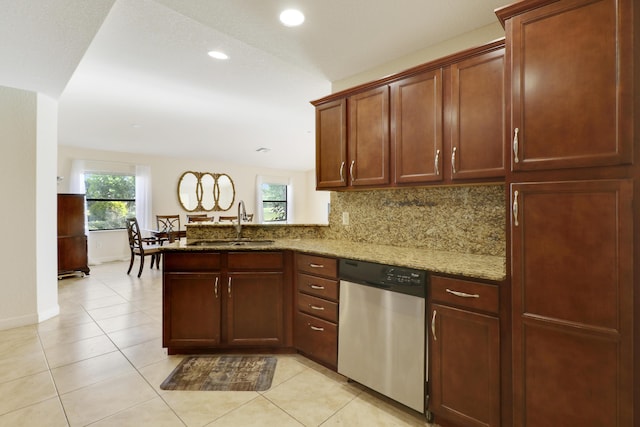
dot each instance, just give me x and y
(312, 265)
(316, 307)
(229, 287)
(433, 326)
(316, 328)
(342, 172)
(515, 208)
(216, 287)
(312, 286)
(515, 145)
(436, 162)
(353, 162)
(462, 294)
(453, 159)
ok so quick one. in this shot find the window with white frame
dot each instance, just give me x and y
(274, 199)
(113, 192)
(111, 198)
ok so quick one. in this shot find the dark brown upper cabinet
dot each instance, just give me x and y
(571, 84)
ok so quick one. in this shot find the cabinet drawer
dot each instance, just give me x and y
(464, 293)
(191, 262)
(318, 307)
(316, 338)
(318, 265)
(255, 260)
(318, 286)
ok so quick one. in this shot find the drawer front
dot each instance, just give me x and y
(318, 307)
(257, 260)
(465, 293)
(318, 265)
(191, 261)
(316, 338)
(318, 286)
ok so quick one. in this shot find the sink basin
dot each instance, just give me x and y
(234, 242)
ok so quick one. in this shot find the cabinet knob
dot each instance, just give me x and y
(342, 172)
(316, 307)
(353, 162)
(436, 162)
(216, 287)
(229, 287)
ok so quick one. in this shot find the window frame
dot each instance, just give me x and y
(102, 199)
(260, 202)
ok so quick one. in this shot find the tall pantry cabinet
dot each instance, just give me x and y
(72, 240)
(574, 232)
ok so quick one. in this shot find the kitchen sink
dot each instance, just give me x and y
(231, 242)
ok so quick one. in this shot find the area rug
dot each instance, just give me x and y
(222, 373)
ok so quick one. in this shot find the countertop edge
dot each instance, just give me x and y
(484, 267)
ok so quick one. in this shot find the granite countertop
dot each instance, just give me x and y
(469, 265)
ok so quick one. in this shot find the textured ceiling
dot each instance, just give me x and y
(133, 75)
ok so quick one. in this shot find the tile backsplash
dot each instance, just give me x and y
(464, 219)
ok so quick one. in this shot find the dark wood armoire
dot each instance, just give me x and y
(72, 240)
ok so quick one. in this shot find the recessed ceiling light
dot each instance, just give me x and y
(291, 17)
(218, 55)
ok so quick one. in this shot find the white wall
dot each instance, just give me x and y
(309, 206)
(28, 257)
(464, 41)
(46, 224)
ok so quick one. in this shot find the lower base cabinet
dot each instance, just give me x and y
(464, 345)
(255, 309)
(192, 310)
(316, 315)
(224, 300)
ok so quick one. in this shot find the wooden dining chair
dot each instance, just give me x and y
(203, 219)
(138, 249)
(169, 224)
(197, 217)
(235, 218)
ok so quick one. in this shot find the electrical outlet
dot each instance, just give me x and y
(345, 218)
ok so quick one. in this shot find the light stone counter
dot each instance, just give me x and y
(472, 266)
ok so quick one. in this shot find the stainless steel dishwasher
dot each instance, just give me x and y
(381, 333)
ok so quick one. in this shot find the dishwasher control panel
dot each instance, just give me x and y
(397, 279)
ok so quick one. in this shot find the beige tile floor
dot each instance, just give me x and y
(101, 361)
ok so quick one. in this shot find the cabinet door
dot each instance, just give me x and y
(331, 144)
(317, 338)
(255, 308)
(369, 137)
(70, 215)
(465, 366)
(72, 254)
(571, 81)
(417, 128)
(191, 309)
(476, 149)
(572, 302)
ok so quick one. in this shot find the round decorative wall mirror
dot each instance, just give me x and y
(205, 191)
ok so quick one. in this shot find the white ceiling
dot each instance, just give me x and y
(134, 75)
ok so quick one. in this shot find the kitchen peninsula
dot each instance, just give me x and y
(204, 237)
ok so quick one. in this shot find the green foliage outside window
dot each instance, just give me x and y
(110, 199)
(274, 202)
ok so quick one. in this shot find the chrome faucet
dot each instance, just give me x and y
(242, 215)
